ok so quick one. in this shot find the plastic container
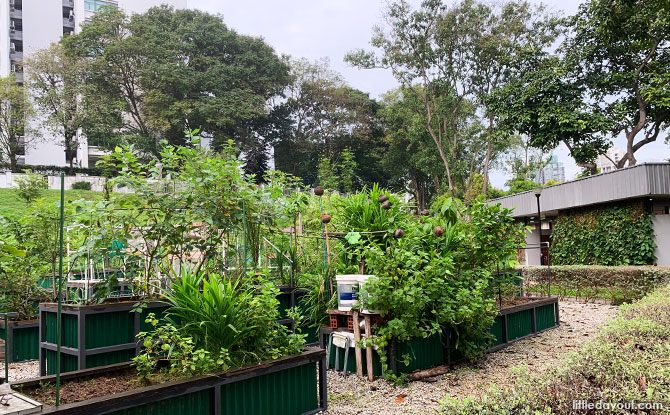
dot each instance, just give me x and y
(347, 291)
(362, 279)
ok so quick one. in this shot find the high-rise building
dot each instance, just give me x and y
(604, 162)
(30, 25)
(555, 170)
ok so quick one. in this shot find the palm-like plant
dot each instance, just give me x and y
(211, 310)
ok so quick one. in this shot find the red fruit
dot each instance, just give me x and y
(438, 231)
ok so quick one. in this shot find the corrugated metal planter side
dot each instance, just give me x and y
(519, 324)
(287, 386)
(92, 336)
(545, 317)
(192, 404)
(295, 388)
(21, 339)
(422, 352)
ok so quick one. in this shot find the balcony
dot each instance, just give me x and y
(15, 56)
(16, 35)
(68, 3)
(19, 77)
(68, 23)
(15, 13)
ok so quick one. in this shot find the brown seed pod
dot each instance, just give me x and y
(399, 233)
(325, 218)
(424, 212)
(386, 205)
(438, 231)
(382, 198)
(318, 190)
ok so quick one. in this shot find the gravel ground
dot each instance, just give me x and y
(23, 370)
(579, 323)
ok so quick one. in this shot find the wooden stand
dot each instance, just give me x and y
(354, 325)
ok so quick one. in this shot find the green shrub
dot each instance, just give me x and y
(81, 185)
(215, 323)
(433, 275)
(627, 362)
(613, 235)
(30, 186)
(620, 284)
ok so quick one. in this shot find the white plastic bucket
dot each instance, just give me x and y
(347, 291)
(362, 279)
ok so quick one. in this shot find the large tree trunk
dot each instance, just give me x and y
(487, 161)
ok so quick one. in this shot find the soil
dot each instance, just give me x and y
(513, 301)
(81, 390)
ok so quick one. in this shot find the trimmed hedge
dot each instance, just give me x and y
(81, 185)
(620, 284)
(53, 170)
(627, 362)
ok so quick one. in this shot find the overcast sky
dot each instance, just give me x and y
(314, 29)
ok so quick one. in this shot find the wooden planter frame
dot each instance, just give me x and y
(14, 325)
(155, 393)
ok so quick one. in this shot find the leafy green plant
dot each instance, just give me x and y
(613, 235)
(81, 185)
(30, 186)
(166, 342)
(436, 275)
(209, 310)
(215, 323)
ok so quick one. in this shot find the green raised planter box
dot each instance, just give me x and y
(21, 340)
(521, 321)
(91, 335)
(289, 297)
(287, 386)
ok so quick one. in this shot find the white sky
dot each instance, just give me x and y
(330, 28)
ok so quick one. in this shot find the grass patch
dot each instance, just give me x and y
(12, 204)
(629, 361)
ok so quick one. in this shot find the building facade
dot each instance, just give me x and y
(555, 170)
(31, 25)
(647, 184)
(604, 162)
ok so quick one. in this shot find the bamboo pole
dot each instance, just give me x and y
(60, 288)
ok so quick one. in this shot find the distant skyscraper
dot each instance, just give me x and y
(30, 25)
(555, 170)
(605, 164)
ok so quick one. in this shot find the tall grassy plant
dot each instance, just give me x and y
(215, 316)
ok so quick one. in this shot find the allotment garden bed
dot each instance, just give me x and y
(289, 385)
(92, 335)
(21, 338)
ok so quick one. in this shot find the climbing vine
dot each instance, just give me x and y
(614, 235)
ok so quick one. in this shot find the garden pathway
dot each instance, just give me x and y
(579, 323)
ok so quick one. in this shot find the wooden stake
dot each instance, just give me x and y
(357, 350)
(328, 258)
(368, 350)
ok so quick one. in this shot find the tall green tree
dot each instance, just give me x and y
(451, 58)
(166, 70)
(56, 83)
(608, 78)
(322, 117)
(15, 109)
